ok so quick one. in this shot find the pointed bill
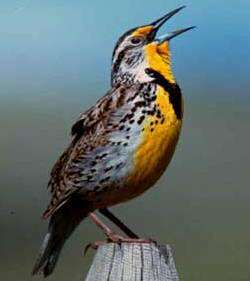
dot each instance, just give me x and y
(158, 23)
(171, 35)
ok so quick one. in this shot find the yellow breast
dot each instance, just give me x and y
(158, 142)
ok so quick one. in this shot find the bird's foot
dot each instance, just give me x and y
(94, 245)
(113, 237)
(116, 238)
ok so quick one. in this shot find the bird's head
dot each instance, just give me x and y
(138, 52)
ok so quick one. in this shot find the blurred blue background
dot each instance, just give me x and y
(55, 62)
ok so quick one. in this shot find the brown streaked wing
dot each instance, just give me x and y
(87, 133)
(97, 113)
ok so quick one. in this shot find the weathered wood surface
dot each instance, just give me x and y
(133, 262)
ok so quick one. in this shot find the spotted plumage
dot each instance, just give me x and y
(122, 144)
(104, 141)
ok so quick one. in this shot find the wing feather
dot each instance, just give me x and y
(87, 156)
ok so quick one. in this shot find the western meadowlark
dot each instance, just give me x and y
(121, 145)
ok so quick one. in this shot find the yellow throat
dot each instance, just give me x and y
(158, 58)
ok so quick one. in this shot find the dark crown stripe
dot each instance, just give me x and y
(121, 39)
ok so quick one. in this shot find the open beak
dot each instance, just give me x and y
(158, 23)
(171, 35)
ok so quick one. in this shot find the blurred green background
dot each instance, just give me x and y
(55, 62)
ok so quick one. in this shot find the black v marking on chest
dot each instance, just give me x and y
(173, 89)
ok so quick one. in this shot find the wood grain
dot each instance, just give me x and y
(133, 262)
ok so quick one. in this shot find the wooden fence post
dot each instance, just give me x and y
(133, 262)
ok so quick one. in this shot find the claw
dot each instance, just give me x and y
(93, 246)
(118, 239)
(153, 241)
(115, 238)
(86, 248)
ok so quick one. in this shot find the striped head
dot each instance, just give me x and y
(138, 53)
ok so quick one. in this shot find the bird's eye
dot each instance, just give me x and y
(136, 40)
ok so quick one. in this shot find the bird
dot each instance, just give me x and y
(121, 145)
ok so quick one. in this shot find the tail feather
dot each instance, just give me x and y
(61, 225)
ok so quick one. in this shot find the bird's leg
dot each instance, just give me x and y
(106, 212)
(104, 228)
(113, 237)
(100, 224)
